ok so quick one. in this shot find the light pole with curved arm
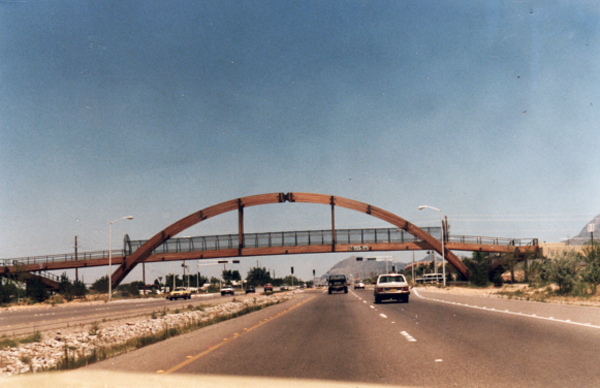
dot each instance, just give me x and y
(110, 253)
(442, 233)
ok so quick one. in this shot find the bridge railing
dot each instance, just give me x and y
(49, 275)
(504, 241)
(59, 258)
(283, 239)
(272, 239)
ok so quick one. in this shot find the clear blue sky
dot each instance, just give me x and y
(488, 110)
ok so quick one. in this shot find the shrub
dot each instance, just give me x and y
(94, 328)
(35, 337)
(562, 270)
(497, 279)
(479, 266)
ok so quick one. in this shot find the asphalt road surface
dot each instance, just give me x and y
(26, 320)
(425, 343)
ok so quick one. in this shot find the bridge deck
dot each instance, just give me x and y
(271, 243)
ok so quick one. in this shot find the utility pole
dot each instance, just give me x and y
(413, 268)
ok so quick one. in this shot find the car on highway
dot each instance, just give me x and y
(337, 283)
(179, 292)
(359, 285)
(227, 289)
(284, 287)
(250, 289)
(391, 286)
(268, 287)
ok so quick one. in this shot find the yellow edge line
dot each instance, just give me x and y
(204, 353)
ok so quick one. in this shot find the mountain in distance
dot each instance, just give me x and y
(360, 269)
(584, 235)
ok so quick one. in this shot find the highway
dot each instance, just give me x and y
(27, 320)
(425, 343)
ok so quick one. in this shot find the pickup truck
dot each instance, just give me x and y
(179, 292)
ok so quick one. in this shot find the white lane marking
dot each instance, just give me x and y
(372, 306)
(512, 313)
(364, 301)
(408, 337)
(439, 360)
(383, 315)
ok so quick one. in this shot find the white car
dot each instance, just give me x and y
(358, 285)
(391, 286)
(227, 290)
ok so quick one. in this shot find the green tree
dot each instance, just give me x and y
(101, 285)
(591, 252)
(169, 281)
(79, 288)
(480, 267)
(532, 267)
(132, 288)
(509, 262)
(562, 270)
(231, 275)
(8, 290)
(36, 289)
(65, 287)
(291, 279)
(591, 274)
(258, 276)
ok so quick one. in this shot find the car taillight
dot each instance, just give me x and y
(405, 288)
(379, 289)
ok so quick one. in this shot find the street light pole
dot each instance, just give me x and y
(110, 254)
(442, 233)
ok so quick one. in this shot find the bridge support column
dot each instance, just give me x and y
(240, 226)
(333, 224)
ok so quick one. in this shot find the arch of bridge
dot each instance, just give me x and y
(143, 252)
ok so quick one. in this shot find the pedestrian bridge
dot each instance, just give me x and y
(164, 246)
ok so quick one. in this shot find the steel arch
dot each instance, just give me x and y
(143, 252)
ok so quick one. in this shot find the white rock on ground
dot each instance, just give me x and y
(44, 355)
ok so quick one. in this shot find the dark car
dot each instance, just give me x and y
(250, 289)
(268, 287)
(337, 283)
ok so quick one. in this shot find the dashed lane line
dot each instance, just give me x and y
(408, 337)
(191, 359)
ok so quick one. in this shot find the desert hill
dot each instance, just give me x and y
(360, 269)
